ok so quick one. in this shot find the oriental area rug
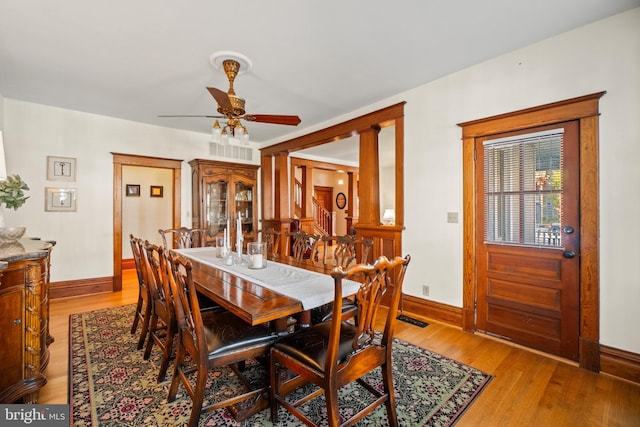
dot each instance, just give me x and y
(110, 384)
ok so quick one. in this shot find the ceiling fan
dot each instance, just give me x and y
(231, 106)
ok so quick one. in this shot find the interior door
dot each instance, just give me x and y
(528, 237)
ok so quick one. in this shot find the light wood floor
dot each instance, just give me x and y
(529, 389)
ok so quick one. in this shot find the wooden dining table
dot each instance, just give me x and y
(251, 298)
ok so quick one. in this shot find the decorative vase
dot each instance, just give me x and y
(10, 234)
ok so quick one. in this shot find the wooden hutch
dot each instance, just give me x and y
(24, 318)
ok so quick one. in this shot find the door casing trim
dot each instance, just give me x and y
(120, 160)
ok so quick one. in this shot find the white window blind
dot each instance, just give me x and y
(523, 189)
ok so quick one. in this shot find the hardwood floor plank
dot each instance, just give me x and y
(529, 388)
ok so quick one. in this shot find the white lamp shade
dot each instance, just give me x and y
(389, 216)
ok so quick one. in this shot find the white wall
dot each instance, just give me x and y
(1, 113)
(144, 215)
(600, 56)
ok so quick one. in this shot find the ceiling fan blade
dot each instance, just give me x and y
(187, 115)
(272, 118)
(221, 98)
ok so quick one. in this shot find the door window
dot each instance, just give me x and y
(523, 189)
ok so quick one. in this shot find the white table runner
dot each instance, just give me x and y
(311, 288)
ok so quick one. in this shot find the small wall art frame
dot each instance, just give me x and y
(132, 190)
(156, 191)
(61, 168)
(60, 199)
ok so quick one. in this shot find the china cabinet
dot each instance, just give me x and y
(224, 192)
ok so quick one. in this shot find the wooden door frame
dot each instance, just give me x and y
(120, 160)
(585, 110)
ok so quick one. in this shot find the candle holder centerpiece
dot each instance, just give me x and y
(257, 255)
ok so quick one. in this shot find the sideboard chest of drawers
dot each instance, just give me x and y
(24, 318)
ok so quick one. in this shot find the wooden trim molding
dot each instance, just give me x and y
(74, 288)
(120, 160)
(585, 109)
(128, 264)
(620, 363)
(432, 310)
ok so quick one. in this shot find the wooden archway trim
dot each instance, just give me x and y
(120, 160)
(585, 110)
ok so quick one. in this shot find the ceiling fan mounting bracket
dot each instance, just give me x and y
(244, 63)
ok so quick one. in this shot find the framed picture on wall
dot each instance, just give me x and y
(156, 191)
(61, 168)
(341, 200)
(60, 199)
(133, 190)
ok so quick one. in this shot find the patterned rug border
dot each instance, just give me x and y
(445, 413)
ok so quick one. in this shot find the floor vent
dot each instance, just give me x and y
(412, 321)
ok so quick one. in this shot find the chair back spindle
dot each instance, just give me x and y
(271, 238)
(344, 251)
(302, 246)
(183, 237)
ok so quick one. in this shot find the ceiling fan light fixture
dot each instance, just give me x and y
(216, 132)
(245, 133)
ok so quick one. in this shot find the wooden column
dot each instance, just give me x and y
(266, 191)
(282, 205)
(351, 200)
(307, 186)
(369, 190)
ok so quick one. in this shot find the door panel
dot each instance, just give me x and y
(528, 283)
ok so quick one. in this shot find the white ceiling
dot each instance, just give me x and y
(139, 59)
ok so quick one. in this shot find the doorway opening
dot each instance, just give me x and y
(120, 161)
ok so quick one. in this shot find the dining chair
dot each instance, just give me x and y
(212, 339)
(162, 325)
(183, 237)
(342, 251)
(335, 353)
(144, 304)
(345, 250)
(302, 246)
(271, 238)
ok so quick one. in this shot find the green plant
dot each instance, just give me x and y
(12, 192)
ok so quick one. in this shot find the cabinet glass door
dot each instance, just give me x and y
(244, 205)
(216, 209)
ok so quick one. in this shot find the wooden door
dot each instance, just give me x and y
(528, 237)
(324, 196)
